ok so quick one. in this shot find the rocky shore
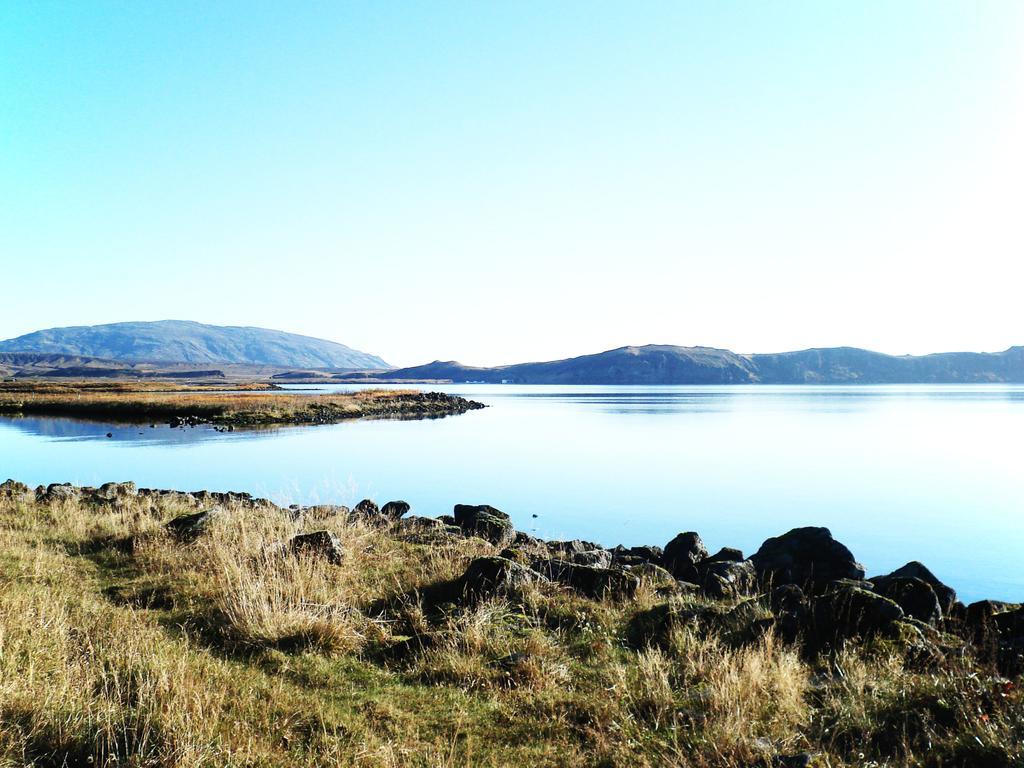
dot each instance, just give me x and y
(384, 633)
(806, 587)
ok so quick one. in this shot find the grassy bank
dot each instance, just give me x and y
(121, 644)
(245, 405)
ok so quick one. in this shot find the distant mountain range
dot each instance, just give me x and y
(183, 349)
(183, 341)
(661, 364)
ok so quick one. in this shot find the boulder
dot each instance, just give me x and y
(426, 530)
(60, 492)
(415, 523)
(588, 580)
(848, 612)
(807, 557)
(320, 544)
(486, 522)
(915, 570)
(599, 558)
(787, 597)
(580, 552)
(636, 555)
(190, 527)
(914, 596)
(726, 555)
(1010, 624)
(12, 489)
(366, 510)
(682, 554)
(466, 513)
(526, 540)
(566, 549)
(394, 510)
(115, 491)
(492, 576)
(722, 579)
(656, 576)
(792, 611)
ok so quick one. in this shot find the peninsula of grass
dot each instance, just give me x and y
(232, 638)
(234, 406)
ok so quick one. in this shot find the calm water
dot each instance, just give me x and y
(897, 473)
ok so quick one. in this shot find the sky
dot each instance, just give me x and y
(496, 182)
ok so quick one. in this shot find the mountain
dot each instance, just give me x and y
(627, 365)
(189, 342)
(661, 364)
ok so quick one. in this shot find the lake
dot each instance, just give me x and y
(930, 473)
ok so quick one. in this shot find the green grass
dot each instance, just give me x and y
(219, 653)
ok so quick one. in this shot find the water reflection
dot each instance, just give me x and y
(84, 430)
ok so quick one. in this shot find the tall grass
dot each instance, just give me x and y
(228, 651)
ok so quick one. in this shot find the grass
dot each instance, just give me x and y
(244, 405)
(120, 645)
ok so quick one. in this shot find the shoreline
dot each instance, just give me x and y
(248, 406)
(462, 637)
(812, 559)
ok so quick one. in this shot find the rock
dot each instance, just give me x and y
(485, 521)
(12, 489)
(515, 555)
(415, 523)
(915, 570)
(367, 510)
(636, 555)
(492, 576)
(593, 582)
(426, 530)
(115, 491)
(60, 492)
(1010, 623)
(849, 612)
(526, 540)
(807, 557)
(580, 552)
(566, 549)
(914, 596)
(190, 527)
(466, 513)
(496, 530)
(682, 555)
(317, 544)
(726, 555)
(655, 575)
(394, 510)
(723, 579)
(599, 558)
(788, 597)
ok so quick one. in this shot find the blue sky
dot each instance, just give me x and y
(495, 182)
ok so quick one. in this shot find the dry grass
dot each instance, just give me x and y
(71, 386)
(223, 652)
(242, 407)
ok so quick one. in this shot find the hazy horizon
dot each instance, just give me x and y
(495, 184)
